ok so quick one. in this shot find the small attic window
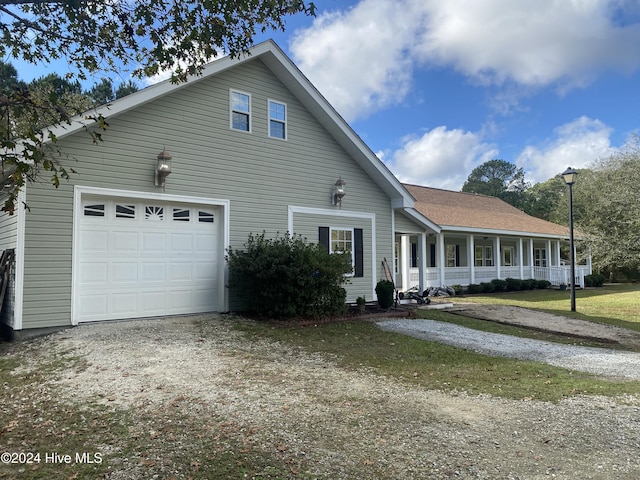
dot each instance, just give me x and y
(277, 120)
(240, 111)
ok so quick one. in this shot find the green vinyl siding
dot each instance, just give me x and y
(258, 175)
(406, 225)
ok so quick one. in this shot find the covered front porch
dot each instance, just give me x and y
(437, 259)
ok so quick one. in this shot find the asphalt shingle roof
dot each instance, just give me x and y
(470, 210)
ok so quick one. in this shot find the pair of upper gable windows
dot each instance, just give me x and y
(241, 116)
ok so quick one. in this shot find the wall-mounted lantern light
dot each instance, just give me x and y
(339, 192)
(163, 168)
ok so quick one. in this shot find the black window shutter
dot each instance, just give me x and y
(358, 247)
(432, 252)
(323, 237)
(457, 255)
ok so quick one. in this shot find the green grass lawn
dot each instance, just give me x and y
(615, 304)
(425, 364)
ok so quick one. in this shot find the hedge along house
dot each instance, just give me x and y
(184, 172)
(479, 238)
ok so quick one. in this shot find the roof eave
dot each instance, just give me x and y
(501, 232)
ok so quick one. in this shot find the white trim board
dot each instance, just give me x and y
(80, 191)
(292, 210)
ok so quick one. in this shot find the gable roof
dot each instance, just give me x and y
(470, 212)
(287, 72)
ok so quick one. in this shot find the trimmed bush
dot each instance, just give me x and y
(499, 285)
(529, 284)
(513, 284)
(473, 288)
(487, 287)
(595, 280)
(384, 291)
(458, 289)
(286, 277)
(543, 284)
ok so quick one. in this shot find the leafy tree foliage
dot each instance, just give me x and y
(287, 277)
(548, 200)
(126, 88)
(608, 209)
(144, 37)
(498, 178)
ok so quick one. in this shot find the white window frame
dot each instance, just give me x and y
(450, 254)
(332, 250)
(540, 257)
(478, 256)
(483, 256)
(270, 119)
(512, 257)
(232, 111)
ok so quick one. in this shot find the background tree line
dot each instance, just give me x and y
(606, 205)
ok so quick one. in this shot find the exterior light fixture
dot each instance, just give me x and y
(339, 192)
(163, 168)
(570, 176)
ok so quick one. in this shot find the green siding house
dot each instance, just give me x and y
(250, 145)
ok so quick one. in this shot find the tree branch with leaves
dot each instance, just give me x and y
(142, 38)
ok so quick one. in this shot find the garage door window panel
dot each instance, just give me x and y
(95, 210)
(154, 213)
(125, 211)
(181, 214)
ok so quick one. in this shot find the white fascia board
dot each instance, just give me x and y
(307, 93)
(508, 233)
(421, 219)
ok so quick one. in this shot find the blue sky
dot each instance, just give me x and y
(437, 88)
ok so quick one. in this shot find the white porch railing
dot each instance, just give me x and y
(556, 275)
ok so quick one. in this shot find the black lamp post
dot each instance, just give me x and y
(570, 176)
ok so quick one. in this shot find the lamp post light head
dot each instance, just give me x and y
(570, 176)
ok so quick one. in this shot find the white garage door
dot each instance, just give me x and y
(140, 258)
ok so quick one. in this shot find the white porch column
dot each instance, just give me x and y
(442, 260)
(405, 261)
(471, 259)
(532, 267)
(557, 253)
(589, 268)
(497, 256)
(422, 261)
(548, 248)
(520, 256)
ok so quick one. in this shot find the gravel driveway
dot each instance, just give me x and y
(344, 424)
(600, 361)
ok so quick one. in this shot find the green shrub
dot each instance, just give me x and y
(286, 277)
(543, 284)
(384, 291)
(529, 284)
(473, 288)
(458, 289)
(513, 284)
(487, 287)
(499, 285)
(594, 280)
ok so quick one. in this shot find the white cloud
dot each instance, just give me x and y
(360, 59)
(576, 144)
(363, 59)
(441, 158)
